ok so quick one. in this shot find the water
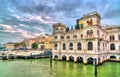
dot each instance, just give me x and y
(41, 68)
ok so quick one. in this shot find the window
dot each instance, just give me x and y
(98, 33)
(98, 45)
(88, 32)
(90, 46)
(68, 37)
(64, 46)
(56, 46)
(103, 46)
(118, 36)
(112, 47)
(81, 36)
(91, 22)
(61, 29)
(119, 47)
(56, 29)
(91, 32)
(79, 46)
(74, 36)
(71, 46)
(62, 37)
(112, 37)
(56, 37)
(88, 23)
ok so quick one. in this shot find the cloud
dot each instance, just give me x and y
(23, 18)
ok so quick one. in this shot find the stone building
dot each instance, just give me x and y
(90, 41)
(9, 45)
(44, 42)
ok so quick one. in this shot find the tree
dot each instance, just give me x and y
(17, 44)
(67, 29)
(34, 45)
(77, 26)
(23, 44)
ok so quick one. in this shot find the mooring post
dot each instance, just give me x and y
(51, 59)
(95, 67)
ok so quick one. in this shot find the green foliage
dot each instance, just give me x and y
(34, 45)
(81, 26)
(67, 29)
(17, 44)
(77, 26)
(20, 44)
(23, 44)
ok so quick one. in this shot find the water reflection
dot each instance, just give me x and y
(42, 68)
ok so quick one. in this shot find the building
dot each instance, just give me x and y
(9, 45)
(44, 42)
(90, 41)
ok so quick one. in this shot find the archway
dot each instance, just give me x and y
(71, 58)
(64, 58)
(55, 57)
(112, 57)
(79, 59)
(90, 60)
(99, 60)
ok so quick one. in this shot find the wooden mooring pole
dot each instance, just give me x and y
(51, 59)
(95, 67)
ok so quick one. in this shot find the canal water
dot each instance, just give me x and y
(42, 68)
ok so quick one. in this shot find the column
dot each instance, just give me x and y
(67, 58)
(75, 59)
(85, 60)
(59, 57)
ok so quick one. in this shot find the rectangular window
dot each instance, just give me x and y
(118, 36)
(112, 37)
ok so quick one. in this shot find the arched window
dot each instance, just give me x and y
(91, 32)
(68, 37)
(112, 37)
(91, 22)
(64, 46)
(62, 37)
(88, 23)
(81, 36)
(75, 36)
(56, 37)
(90, 46)
(87, 32)
(71, 46)
(79, 46)
(118, 36)
(112, 46)
(56, 46)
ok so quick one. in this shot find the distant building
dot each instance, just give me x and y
(9, 45)
(44, 42)
(90, 41)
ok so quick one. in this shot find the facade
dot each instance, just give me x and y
(9, 46)
(44, 42)
(90, 41)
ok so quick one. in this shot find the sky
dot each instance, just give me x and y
(20, 19)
